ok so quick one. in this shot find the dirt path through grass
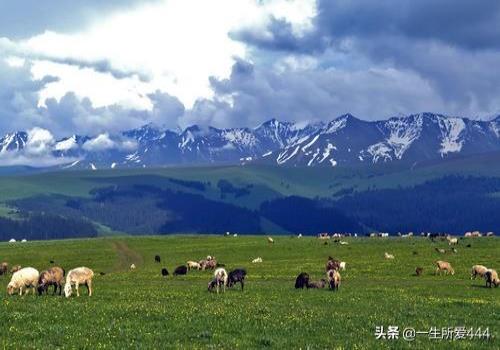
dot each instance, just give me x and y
(126, 256)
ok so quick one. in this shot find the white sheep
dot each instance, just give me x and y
(193, 265)
(257, 260)
(80, 275)
(342, 265)
(270, 239)
(478, 270)
(220, 278)
(24, 278)
(388, 256)
(344, 243)
(132, 267)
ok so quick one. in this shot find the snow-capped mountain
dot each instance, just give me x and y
(346, 140)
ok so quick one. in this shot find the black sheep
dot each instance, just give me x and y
(237, 275)
(164, 272)
(157, 259)
(180, 270)
(302, 280)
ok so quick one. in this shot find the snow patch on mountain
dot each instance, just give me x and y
(451, 129)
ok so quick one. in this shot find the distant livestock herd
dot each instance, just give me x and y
(24, 279)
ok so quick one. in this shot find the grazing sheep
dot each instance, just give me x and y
(220, 279)
(302, 280)
(193, 265)
(77, 276)
(333, 279)
(317, 285)
(257, 260)
(132, 267)
(24, 278)
(419, 271)
(235, 276)
(235, 235)
(491, 277)
(332, 264)
(164, 272)
(299, 235)
(342, 265)
(444, 266)
(157, 259)
(452, 241)
(180, 270)
(388, 256)
(344, 243)
(52, 277)
(270, 240)
(478, 270)
(208, 264)
(4, 267)
(490, 234)
(15, 268)
(441, 251)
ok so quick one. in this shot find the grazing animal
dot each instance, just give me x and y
(419, 271)
(220, 279)
(180, 270)
(478, 270)
(332, 264)
(342, 265)
(257, 260)
(317, 285)
(344, 243)
(491, 277)
(270, 240)
(302, 280)
(452, 241)
(235, 276)
(209, 264)
(77, 276)
(193, 265)
(52, 277)
(4, 267)
(333, 279)
(164, 272)
(24, 278)
(441, 251)
(15, 268)
(157, 259)
(132, 267)
(444, 266)
(388, 256)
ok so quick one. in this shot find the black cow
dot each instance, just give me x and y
(164, 272)
(157, 259)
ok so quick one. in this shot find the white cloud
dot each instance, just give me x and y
(179, 44)
(103, 142)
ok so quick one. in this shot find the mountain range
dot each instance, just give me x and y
(344, 141)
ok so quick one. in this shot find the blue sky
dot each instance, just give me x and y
(88, 66)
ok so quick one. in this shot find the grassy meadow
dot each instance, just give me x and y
(141, 309)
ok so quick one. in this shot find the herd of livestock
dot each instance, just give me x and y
(29, 278)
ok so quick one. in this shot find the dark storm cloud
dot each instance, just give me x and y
(25, 18)
(460, 23)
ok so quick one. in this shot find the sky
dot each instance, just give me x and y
(93, 67)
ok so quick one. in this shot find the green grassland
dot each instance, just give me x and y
(268, 182)
(141, 309)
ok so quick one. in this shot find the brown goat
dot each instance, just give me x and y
(4, 267)
(332, 264)
(52, 277)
